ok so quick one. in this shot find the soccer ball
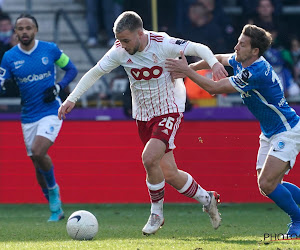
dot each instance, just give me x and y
(82, 225)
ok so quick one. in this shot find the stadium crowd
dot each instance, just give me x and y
(195, 20)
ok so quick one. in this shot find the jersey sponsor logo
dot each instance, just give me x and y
(45, 60)
(19, 64)
(2, 71)
(146, 73)
(34, 77)
(129, 61)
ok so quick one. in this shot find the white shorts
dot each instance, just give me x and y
(284, 146)
(48, 126)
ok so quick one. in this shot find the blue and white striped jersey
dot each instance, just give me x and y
(263, 94)
(34, 72)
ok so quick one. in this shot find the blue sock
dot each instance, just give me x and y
(294, 190)
(46, 193)
(49, 177)
(283, 199)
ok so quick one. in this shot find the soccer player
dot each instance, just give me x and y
(262, 92)
(32, 64)
(158, 105)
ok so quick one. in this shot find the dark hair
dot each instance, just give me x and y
(128, 20)
(260, 38)
(4, 16)
(24, 15)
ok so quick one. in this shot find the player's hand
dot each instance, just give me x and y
(51, 93)
(177, 67)
(64, 109)
(219, 72)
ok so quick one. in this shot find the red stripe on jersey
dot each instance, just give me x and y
(166, 85)
(156, 36)
(117, 43)
(158, 96)
(151, 99)
(177, 110)
(154, 39)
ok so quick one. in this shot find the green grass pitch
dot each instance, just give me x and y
(186, 227)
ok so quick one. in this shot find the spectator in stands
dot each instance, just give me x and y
(266, 18)
(7, 37)
(260, 89)
(216, 8)
(249, 8)
(295, 51)
(7, 41)
(157, 107)
(33, 64)
(202, 23)
(107, 10)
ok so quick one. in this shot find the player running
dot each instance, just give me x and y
(262, 92)
(158, 106)
(32, 64)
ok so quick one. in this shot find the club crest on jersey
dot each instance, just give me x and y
(2, 71)
(279, 146)
(45, 60)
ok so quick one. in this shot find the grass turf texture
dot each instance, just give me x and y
(186, 227)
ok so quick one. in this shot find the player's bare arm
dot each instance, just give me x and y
(212, 87)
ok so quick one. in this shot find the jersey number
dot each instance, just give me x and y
(167, 122)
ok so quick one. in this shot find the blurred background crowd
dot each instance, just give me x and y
(215, 23)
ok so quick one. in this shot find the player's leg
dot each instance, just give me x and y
(152, 154)
(295, 191)
(276, 157)
(45, 166)
(29, 133)
(40, 179)
(39, 137)
(185, 184)
(269, 184)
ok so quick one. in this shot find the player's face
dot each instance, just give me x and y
(25, 30)
(130, 41)
(244, 51)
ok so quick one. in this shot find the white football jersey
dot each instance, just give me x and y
(153, 92)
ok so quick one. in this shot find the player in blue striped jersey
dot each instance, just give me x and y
(262, 92)
(32, 64)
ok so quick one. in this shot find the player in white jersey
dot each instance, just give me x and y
(263, 94)
(32, 64)
(158, 103)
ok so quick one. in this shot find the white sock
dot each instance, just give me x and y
(193, 190)
(157, 206)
